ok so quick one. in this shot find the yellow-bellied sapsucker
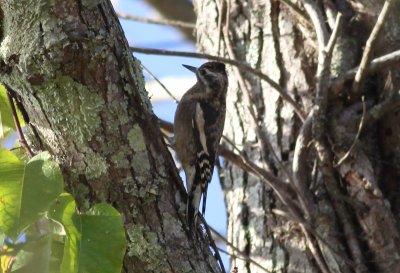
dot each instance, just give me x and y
(198, 125)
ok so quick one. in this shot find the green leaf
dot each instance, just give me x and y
(2, 238)
(95, 239)
(34, 256)
(57, 252)
(26, 191)
(102, 226)
(63, 211)
(6, 119)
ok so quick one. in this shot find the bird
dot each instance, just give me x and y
(198, 126)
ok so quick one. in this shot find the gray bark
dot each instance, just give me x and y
(356, 225)
(71, 67)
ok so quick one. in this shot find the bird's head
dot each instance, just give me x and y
(212, 75)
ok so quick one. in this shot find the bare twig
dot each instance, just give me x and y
(284, 192)
(331, 12)
(234, 256)
(164, 22)
(335, 33)
(304, 138)
(318, 22)
(241, 160)
(377, 64)
(389, 105)
(160, 83)
(313, 246)
(360, 127)
(212, 243)
(300, 13)
(325, 49)
(283, 189)
(369, 47)
(300, 168)
(262, 137)
(21, 136)
(243, 255)
(242, 66)
(222, 6)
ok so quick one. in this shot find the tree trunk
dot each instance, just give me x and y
(348, 211)
(180, 10)
(69, 64)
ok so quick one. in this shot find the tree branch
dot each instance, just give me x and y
(325, 48)
(160, 83)
(21, 136)
(177, 10)
(360, 127)
(377, 64)
(235, 249)
(172, 23)
(369, 47)
(240, 65)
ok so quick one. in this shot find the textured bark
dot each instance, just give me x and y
(346, 208)
(70, 65)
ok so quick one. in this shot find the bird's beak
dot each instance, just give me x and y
(191, 68)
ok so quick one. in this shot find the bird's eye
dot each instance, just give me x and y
(202, 71)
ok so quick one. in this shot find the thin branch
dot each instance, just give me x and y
(222, 11)
(164, 22)
(284, 192)
(249, 100)
(335, 34)
(299, 168)
(360, 127)
(21, 136)
(304, 138)
(181, 10)
(300, 13)
(318, 21)
(234, 256)
(240, 65)
(262, 137)
(369, 47)
(243, 255)
(325, 48)
(281, 188)
(242, 162)
(311, 229)
(160, 83)
(377, 64)
(389, 105)
(212, 243)
(330, 11)
(313, 246)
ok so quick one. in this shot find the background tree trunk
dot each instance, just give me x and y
(70, 65)
(181, 10)
(350, 226)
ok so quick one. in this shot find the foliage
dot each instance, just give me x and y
(41, 229)
(6, 120)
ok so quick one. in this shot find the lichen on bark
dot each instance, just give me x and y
(71, 67)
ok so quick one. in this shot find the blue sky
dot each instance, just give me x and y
(163, 37)
(141, 34)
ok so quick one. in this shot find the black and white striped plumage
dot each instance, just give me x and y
(199, 122)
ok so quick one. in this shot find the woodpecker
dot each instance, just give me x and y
(198, 125)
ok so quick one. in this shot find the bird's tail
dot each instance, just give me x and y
(199, 184)
(204, 190)
(193, 205)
